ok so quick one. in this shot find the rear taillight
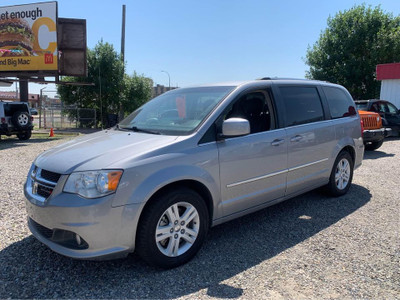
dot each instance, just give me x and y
(362, 127)
(31, 118)
(3, 121)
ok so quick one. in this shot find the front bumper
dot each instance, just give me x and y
(375, 135)
(105, 232)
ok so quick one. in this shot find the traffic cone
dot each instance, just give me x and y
(51, 134)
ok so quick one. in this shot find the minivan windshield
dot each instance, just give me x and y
(178, 112)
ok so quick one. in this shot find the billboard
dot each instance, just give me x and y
(28, 37)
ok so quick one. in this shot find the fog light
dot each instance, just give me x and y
(78, 239)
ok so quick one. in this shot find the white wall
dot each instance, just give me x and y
(390, 91)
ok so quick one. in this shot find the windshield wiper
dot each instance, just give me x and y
(121, 128)
(136, 129)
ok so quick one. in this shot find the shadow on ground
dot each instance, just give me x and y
(376, 154)
(30, 270)
(14, 143)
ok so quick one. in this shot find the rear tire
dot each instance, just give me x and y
(341, 175)
(373, 145)
(172, 228)
(23, 136)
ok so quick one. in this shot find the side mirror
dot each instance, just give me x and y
(235, 127)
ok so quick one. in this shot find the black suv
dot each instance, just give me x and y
(389, 113)
(15, 118)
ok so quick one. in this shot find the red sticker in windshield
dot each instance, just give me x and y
(181, 106)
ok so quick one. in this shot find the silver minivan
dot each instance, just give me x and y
(188, 160)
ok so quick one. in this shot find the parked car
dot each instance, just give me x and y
(15, 119)
(373, 131)
(388, 111)
(188, 160)
(33, 111)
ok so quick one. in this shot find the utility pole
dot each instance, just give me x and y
(101, 101)
(123, 35)
(40, 106)
(121, 109)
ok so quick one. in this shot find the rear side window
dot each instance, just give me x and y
(303, 105)
(340, 105)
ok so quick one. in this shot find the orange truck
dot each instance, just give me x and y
(373, 131)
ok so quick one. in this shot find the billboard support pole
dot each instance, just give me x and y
(23, 89)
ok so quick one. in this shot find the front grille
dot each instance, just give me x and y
(370, 122)
(43, 182)
(50, 176)
(46, 232)
(44, 191)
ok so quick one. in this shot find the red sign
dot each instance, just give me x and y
(48, 58)
(388, 71)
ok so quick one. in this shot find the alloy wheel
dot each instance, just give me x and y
(342, 174)
(177, 229)
(23, 119)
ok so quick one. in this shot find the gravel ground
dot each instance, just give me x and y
(312, 246)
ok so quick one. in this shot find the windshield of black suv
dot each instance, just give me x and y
(178, 112)
(362, 105)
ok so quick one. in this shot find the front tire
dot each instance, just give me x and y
(341, 175)
(172, 228)
(373, 145)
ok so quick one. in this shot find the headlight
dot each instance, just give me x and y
(93, 184)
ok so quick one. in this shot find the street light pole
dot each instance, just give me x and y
(169, 79)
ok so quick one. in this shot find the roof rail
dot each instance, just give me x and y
(280, 78)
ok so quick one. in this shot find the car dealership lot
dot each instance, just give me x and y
(312, 246)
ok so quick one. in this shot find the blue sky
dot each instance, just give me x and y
(207, 41)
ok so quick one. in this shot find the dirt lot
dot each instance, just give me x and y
(311, 246)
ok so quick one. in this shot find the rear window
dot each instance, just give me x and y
(340, 105)
(303, 105)
(11, 108)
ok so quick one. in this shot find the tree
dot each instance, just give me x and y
(112, 88)
(351, 46)
(137, 91)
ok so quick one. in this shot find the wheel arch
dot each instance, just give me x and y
(350, 150)
(194, 185)
(349, 145)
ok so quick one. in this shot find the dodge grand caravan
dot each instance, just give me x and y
(188, 160)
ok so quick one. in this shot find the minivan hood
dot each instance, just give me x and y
(100, 150)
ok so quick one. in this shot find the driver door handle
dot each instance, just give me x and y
(296, 138)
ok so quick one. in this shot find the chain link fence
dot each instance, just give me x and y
(65, 118)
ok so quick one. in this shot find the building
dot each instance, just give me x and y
(33, 99)
(389, 74)
(160, 89)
